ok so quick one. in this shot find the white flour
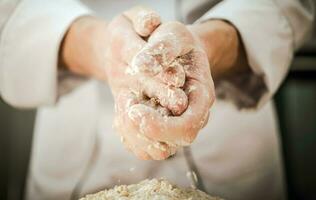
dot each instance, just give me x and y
(150, 190)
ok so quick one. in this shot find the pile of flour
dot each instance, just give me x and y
(150, 190)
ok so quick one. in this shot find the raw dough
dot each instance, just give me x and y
(150, 190)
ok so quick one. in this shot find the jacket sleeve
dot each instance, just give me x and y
(271, 31)
(31, 33)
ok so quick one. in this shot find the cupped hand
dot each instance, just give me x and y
(160, 77)
(97, 49)
(175, 59)
(127, 36)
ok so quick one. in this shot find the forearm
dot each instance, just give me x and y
(223, 46)
(32, 36)
(83, 48)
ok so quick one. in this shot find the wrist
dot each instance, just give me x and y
(82, 46)
(223, 46)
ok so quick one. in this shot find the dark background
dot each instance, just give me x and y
(296, 108)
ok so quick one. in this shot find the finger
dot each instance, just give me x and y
(155, 57)
(157, 150)
(167, 42)
(125, 42)
(180, 42)
(179, 130)
(144, 20)
(143, 147)
(172, 98)
(174, 75)
(153, 103)
(163, 111)
(132, 137)
(174, 34)
(201, 98)
(123, 100)
(125, 131)
(196, 65)
(160, 151)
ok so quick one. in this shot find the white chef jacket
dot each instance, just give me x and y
(237, 153)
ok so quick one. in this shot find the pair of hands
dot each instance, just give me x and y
(159, 75)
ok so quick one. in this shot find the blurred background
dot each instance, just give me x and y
(296, 108)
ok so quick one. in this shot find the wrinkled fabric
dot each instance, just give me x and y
(237, 153)
(29, 49)
(281, 27)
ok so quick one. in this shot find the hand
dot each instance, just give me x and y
(96, 49)
(174, 57)
(131, 88)
(90, 42)
(224, 52)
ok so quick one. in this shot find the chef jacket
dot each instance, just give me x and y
(75, 150)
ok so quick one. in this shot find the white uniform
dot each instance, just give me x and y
(237, 153)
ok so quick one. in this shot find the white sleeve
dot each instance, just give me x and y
(29, 49)
(271, 30)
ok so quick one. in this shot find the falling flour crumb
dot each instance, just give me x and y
(150, 190)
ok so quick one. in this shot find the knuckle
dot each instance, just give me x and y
(147, 23)
(177, 100)
(145, 63)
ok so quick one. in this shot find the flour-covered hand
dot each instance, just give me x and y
(175, 57)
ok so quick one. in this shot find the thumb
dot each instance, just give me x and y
(144, 20)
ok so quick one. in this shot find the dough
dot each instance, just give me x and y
(150, 190)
